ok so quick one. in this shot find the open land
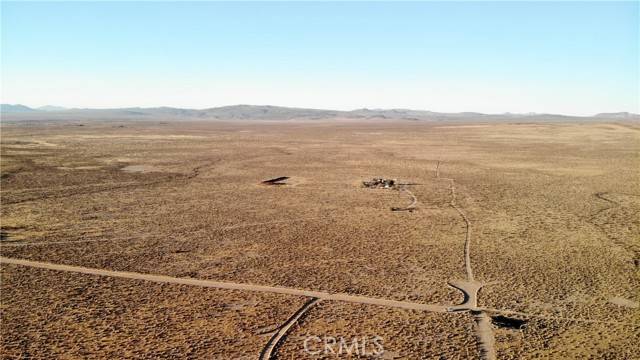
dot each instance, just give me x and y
(159, 239)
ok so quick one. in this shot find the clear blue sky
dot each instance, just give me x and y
(572, 58)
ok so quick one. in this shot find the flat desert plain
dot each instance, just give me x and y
(158, 239)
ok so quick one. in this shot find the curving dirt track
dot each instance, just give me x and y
(611, 208)
(470, 287)
(463, 215)
(412, 205)
(467, 241)
(269, 350)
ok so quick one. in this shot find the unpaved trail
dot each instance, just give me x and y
(229, 285)
(470, 287)
(467, 241)
(412, 205)
(470, 290)
(269, 351)
(484, 332)
(467, 222)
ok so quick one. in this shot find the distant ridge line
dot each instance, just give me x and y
(270, 112)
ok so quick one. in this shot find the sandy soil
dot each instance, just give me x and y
(545, 218)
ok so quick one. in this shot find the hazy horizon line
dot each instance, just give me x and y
(63, 108)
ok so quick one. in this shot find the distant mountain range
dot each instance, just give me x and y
(9, 108)
(618, 115)
(51, 108)
(267, 112)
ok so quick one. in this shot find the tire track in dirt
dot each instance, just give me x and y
(230, 227)
(229, 285)
(454, 205)
(613, 205)
(412, 205)
(270, 349)
(470, 287)
(86, 192)
(467, 241)
(484, 332)
(195, 172)
(44, 243)
(601, 196)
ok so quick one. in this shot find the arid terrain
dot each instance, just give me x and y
(155, 239)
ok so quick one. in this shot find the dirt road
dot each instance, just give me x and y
(270, 349)
(228, 285)
(470, 287)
